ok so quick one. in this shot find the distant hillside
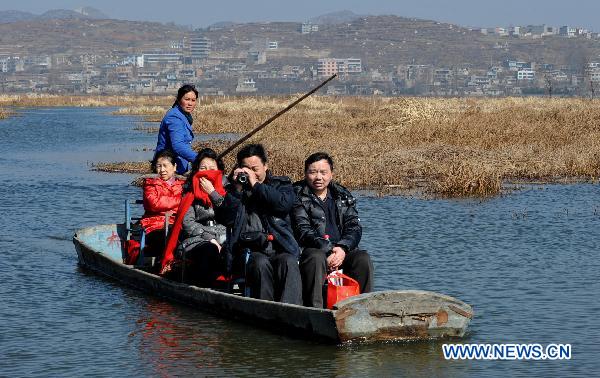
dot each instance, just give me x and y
(15, 16)
(382, 42)
(86, 35)
(333, 18)
(61, 14)
(85, 12)
(92, 12)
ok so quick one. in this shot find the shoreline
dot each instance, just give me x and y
(413, 187)
(446, 147)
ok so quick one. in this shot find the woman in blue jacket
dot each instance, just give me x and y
(175, 132)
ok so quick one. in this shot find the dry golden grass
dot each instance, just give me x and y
(449, 147)
(123, 167)
(4, 113)
(43, 100)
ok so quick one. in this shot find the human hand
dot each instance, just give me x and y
(206, 185)
(336, 258)
(216, 243)
(252, 179)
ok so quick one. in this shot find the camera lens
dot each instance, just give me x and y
(242, 178)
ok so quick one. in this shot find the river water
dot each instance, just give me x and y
(526, 261)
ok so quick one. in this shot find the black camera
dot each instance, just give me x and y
(243, 178)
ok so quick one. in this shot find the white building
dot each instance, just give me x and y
(594, 75)
(567, 31)
(308, 28)
(514, 31)
(199, 47)
(246, 85)
(8, 64)
(353, 65)
(161, 59)
(502, 32)
(526, 74)
(256, 57)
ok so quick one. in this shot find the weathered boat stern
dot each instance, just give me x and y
(401, 315)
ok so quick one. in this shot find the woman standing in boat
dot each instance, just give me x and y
(162, 194)
(175, 131)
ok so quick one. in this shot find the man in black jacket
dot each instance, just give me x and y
(259, 205)
(328, 229)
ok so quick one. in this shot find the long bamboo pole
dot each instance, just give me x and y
(274, 117)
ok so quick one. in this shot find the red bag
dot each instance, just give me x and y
(340, 287)
(132, 248)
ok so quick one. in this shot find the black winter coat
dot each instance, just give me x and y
(308, 218)
(272, 201)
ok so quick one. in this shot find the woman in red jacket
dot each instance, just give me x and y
(161, 195)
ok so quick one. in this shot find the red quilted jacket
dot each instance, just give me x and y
(159, 198)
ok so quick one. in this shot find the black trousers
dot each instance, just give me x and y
(155, 243)
(203, 264)
(275, 278)
(313, 267)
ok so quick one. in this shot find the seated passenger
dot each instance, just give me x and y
(201, 237)
(161, 195)
(328, 230)
(261, 204)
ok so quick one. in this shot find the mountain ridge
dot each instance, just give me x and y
(10, 16)
(382, 42)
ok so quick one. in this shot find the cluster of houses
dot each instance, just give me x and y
(539, 31)
(512, 77)
(261, 67)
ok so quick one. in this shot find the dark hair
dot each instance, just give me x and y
(207, 153)
(252, 150)
(202, 154)
(185, 89)
(316, 157)
(168, 154)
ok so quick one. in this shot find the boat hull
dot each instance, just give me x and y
(371, 317)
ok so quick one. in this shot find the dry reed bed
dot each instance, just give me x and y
(448, 147)
(43, 100)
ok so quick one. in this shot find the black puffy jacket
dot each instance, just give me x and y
(308, 218)
(272, 201)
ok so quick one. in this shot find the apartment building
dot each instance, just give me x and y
(199, 47)
(567, 31)
(330, 66)
(308, 28)
(526, 74)
(161, 59)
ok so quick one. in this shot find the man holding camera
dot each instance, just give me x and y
(328, 229)
(262, 204)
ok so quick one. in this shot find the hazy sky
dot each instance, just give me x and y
(583, 13)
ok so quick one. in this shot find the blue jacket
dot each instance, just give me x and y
(176, 134)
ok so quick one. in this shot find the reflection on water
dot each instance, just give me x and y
(527, 262)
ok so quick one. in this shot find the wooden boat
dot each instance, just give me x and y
(372, 317)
